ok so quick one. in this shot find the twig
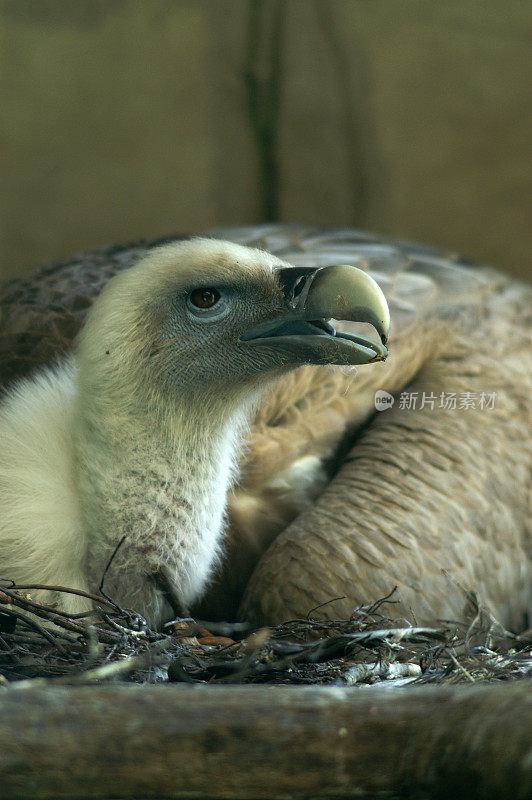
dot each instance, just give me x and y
(100, 587)
(32, 623)
(461, 667)
(62, 620)
(364, 672)
(79, 592)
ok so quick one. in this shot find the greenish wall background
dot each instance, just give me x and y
(123, 119)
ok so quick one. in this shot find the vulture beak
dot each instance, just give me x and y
(312, 297)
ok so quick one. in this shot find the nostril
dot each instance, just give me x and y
(298, 288)
(295, 283)
(384, 338)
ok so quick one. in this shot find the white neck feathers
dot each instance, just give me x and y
(160, 480)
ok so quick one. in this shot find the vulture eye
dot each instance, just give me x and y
(204, 298)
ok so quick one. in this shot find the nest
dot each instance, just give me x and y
(39, 643)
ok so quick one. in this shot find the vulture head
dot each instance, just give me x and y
(205, 323)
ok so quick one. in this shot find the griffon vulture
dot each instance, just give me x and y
(203, 416)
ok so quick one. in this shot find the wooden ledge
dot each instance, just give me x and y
(266, 741)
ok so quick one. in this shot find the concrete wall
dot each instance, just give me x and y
(123, 119)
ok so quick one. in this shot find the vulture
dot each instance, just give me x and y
(238, 411)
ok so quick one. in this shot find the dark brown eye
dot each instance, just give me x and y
(204, 298)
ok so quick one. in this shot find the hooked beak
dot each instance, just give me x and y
(315, 295)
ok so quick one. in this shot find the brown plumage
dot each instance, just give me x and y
(333, 499)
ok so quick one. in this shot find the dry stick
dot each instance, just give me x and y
(111, 559)
(141, 624)
(288, 653)
(56, 617)
(259, 742)
(79, 592)
(32, 623)
(461, 667)
(38, 609)
(334, 646)
(105, 671)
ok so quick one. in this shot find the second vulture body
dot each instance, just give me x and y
(196, 385)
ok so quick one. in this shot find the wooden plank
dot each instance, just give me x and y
(265, 741)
